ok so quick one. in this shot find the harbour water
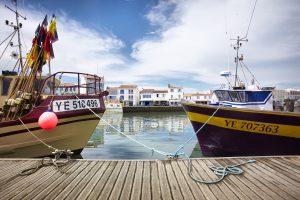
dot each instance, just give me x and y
(165, 131)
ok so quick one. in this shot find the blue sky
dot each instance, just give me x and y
(153, 43)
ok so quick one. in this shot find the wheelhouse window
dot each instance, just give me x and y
(242, 96)
(222, 95)
(235, 96)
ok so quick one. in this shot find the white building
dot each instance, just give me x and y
(175, 95)
(129, 95)
(113, 95)
(200, 98)
(146, 97)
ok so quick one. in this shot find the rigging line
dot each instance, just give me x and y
(152, 149)
(24, 40)
(244, 74)
(8, 37)
(250, 72)
(251, 19)
(7, 45)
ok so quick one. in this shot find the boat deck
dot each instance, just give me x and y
(268, 178)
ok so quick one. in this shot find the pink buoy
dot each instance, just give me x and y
(48, 120)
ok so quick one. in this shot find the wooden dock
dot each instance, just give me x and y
(268, 178)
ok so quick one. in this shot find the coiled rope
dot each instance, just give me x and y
(220, 171)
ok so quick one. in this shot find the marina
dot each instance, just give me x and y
(267, 178)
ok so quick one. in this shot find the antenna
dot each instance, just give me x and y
(250, 20)
(236, 47)
(16, 28)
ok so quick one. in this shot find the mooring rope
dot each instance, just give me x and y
(36, 137)
(170, 155)
(130, 138)
(220, 171)
(175, 154)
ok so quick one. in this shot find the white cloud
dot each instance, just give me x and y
(197, 41)
(190, 42)
(78, 49)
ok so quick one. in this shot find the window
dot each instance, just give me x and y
(146, 96)
(130, 91)
(179, 90)
(222, 95)
(122, 98)
(157, 95)
(242, 96)
(130, 97)
(172, 90)
(171, 96)
(121, 91)
(235, 96)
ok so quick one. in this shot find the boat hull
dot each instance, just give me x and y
(72, 132)
(240, 132)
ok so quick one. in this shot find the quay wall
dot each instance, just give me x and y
(127, 109)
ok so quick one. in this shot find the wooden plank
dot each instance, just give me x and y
(33, 184)
(164, 185)
(175, 189)
(37, 189)
(277, 176)
(245, 179)
(186, 192)
(155, 186)
(23, 184)
(203, 172)
(193, 186)
(85, 180)
(11, 176)
(267, 180)
(137, 182)
(126, 192)
(102, 182)
(286, 167)
(92, 183)
(206, 191)
(65, 191)
(106, 192)
(57, 185)
(117, 189)
(223, 187)
(146, 184)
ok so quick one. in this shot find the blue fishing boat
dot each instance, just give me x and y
(241, 121)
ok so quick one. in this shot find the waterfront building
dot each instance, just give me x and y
(129, 95)
(197, 97)
(175, 95)
(146, 97)
(66, 88)
(160, 98)
(293, 94)
(113, 94)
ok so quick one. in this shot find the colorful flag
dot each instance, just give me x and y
(45, 22)
(52, 30)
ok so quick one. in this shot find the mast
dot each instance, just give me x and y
(236, 47)
(17, 28)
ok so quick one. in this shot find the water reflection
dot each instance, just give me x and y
(162, 131)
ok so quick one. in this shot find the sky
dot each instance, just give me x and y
(153, 43)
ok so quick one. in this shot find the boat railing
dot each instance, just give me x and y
(81, 84)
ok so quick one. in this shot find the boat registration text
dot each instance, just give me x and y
(74, 104)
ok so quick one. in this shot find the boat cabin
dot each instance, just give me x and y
(252, 99)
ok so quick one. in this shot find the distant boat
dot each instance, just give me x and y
(25, 96)
(243, 121)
